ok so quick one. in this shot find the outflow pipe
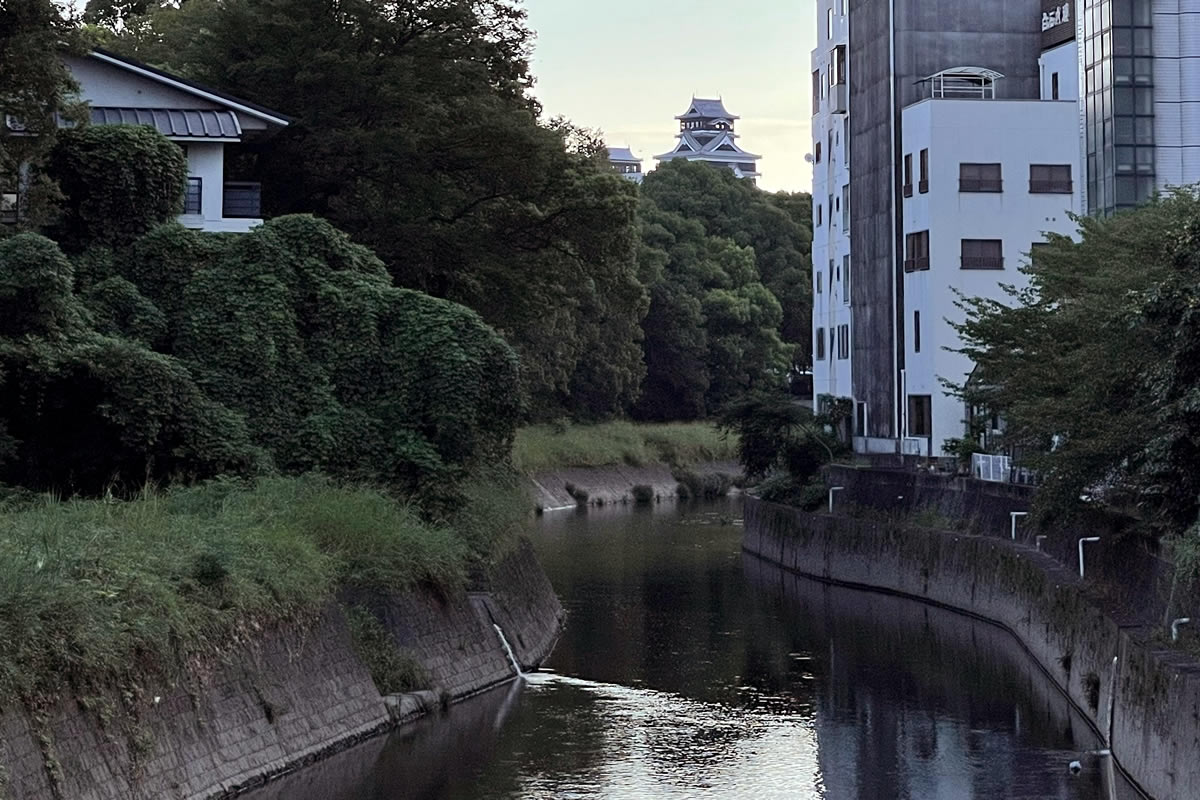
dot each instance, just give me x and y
(833, 489)
(1012, 516)
(1081, 543)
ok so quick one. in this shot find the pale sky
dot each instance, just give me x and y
(629, 67)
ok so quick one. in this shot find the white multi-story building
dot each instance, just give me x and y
(831, 261)
(932, 178)
(983, 180)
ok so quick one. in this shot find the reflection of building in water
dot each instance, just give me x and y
(922, 703)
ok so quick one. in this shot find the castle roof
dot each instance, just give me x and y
(706, 108)
(722, 147)
(622, 154)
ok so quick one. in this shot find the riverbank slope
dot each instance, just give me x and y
(1146, 701)
(194, 643)
(623, 462)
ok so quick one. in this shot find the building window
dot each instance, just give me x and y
(830, 204)
(820, 341)
(916, 251)
(837, 68)
(192, 196)
(846, 207)
(820, 285)
(980, 178)
(846, 280)
(817, 154)
(982, 254)
(820, 216)
(10, 212)
(1054, 86)
(923, 185)
(816, 89)
(908, 175)
(1035, 260)
(916, 331)
(843, 344)
(1050, 179)
(920, 415)
(829, 24)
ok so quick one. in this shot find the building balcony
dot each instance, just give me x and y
(916, 264)
(839, 98)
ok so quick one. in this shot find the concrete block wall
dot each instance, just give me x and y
(288, 697)
(277, 701)
(1156, 720)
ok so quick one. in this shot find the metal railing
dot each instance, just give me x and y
(242, 200)
(981, 185)
(991, 468)
(1051, 187)
(983, 262)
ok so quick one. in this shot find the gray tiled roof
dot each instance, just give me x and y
(622, 154)
(175, 123)
(706, 109)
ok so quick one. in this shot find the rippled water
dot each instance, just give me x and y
(689, 670)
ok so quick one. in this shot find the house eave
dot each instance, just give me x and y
(212, 95)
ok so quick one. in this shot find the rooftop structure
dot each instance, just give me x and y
(707, 133)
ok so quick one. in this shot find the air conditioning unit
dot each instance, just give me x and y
(14, 124)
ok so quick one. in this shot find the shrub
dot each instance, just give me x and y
(393, 671)
(707, 486)
(119, 181)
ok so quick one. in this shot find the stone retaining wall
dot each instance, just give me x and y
(282, 700)
(1155, 722)
(614, 483)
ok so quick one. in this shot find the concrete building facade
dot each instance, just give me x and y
(917, 97)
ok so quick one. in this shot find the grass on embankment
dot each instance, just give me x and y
(541, 448)
(106, 591)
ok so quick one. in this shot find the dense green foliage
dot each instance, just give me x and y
(284, 348)
(715, 329)
(118, 182)
(777, 434)
(35, 88)
(415, 132)
(94, 591)
(81, 409)
(1094, 364)
(540, 448)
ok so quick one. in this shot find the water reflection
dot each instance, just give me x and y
(688, 670)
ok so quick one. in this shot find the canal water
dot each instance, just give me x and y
(690, 670)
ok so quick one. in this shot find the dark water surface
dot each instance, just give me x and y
(689, 670)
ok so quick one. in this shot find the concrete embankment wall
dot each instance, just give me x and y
(282, 699)
(1155, 721)
(614, 483)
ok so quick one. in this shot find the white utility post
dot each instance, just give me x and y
(1175, 627)
(1081, 543)
(833, 489)
(1040, 539)
(1012, 516)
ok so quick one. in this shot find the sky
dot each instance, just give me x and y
(629, 67)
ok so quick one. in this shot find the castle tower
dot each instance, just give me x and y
(706, 133)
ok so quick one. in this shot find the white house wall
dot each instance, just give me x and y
(1015, 133)
(104, 84)
(831, 238)
(206, 160)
